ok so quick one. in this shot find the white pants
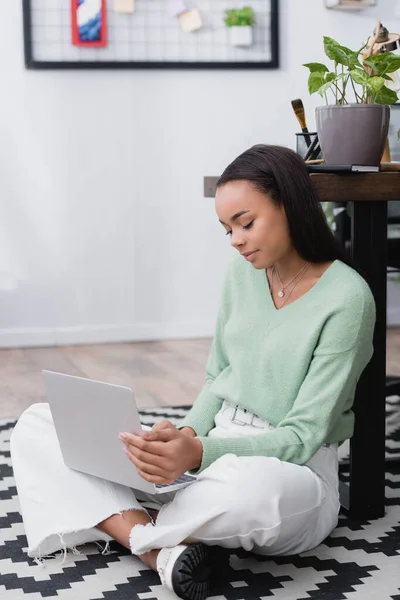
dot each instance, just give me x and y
(257, 503)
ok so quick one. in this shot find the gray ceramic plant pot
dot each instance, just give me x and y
(353, 134)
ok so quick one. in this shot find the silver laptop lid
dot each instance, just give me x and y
(88, 416)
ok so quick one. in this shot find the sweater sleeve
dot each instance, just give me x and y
(326, 394)
(201, 415)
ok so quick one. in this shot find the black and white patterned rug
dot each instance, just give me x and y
(359, 561)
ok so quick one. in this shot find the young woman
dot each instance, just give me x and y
(293, 335)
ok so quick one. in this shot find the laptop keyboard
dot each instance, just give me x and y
(182, 479)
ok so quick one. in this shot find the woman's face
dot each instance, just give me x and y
(257, 227)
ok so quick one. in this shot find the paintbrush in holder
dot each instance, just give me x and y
(307, 151)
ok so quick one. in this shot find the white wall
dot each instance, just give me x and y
(104, 232)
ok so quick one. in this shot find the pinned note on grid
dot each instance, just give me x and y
(190, 20)
(176, 7)
(124, 6)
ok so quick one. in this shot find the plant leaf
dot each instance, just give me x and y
(386, 96)
(387, 62)
(236, 17)
(316, 67)
(315, 81)
(330, 77)
(360, 76)
(324, 88)
(340, 54)
(376, 83)
(331, 47)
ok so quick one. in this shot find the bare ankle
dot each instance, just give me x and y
(150, 559)
(119, 526)
(136, 517)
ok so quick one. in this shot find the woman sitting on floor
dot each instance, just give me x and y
(293, 335)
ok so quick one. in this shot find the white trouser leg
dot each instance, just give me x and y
(257, 503)
(57, 501)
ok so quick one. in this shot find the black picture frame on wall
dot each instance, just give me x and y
(31, 62)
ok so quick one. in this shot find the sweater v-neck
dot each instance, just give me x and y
(302, 298)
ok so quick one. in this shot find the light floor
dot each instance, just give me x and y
(167, 373)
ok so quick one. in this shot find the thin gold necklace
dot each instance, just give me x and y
(281, 292)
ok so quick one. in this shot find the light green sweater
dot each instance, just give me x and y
(296, 367)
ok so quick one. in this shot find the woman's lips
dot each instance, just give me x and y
(250, 256)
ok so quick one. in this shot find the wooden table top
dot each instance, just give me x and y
(343, 187)
(356, 187)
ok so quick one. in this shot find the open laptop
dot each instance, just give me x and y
(88, 416)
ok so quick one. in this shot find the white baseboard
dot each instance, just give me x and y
(69, 336)
(142, 332)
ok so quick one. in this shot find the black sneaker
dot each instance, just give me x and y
(186, 570)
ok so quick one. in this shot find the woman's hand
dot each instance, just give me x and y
(164, 424)
(163, 454)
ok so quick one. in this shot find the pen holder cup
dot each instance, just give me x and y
(306, 142)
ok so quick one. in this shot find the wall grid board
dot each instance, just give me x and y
(150, 37)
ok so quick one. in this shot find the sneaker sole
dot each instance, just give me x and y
(192, 573)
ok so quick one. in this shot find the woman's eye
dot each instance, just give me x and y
(248, 226)
(244, 227)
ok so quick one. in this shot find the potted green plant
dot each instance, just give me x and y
(240, 22)
(353, 128)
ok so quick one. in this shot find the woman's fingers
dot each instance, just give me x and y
(147, 458)
(149, 471)
(146, 467)
(158, 448)
(164, 424)
(156, 428)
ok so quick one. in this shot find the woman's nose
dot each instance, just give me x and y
(237, 239)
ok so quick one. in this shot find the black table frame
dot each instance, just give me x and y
(364, 495)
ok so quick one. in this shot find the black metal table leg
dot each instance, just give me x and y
(365, 495)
